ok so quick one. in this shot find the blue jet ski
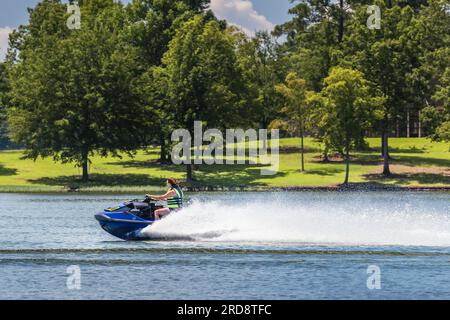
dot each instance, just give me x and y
(127, 220)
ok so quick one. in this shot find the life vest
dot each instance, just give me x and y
(177, 201)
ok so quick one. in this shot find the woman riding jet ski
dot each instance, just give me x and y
(174, 198)
(127, 220)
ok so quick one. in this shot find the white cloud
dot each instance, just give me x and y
(242, 14)
(4, 34)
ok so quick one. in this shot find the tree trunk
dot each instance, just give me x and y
(163, 158)
(386, 170)
(325, 155)
(420, 127)
(189, 173)
(397, 128)
(408, 125)
(384, 134)
(347, 162)
(264, 126)
(302, 146)
(84, 165)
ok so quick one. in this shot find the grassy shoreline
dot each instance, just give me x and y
(212, 189)
(417, 164)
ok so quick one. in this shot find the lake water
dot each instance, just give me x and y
(307, 245)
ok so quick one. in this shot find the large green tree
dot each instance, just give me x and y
(72, 95)
(386, 56)
(431, 78)
(152, 25)
(346, 107)
(152, 89)
(204, 79)
(259, 60)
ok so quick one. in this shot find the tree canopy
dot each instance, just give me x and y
(347, 105)
(204, 82)
(73, 95)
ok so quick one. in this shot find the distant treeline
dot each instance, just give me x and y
(131, 74)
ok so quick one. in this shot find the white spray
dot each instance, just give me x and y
(315, 222)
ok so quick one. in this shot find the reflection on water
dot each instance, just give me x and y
(231, 245)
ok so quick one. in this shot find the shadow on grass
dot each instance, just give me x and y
(371, 159)
(148, 164)
(7, 171)
(213, 175)
(102, 180)
(210, 175)
(366, 159)
(291, 149)
(233, 175)
(422, 178)
(421, 161)
(326, 171)
(403, 150)
(153, 151)
(360, 159)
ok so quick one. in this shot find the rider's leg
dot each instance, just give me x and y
(161, 213)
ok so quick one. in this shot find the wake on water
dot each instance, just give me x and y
(309, 223)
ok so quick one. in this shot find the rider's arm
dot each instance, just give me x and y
(168, 194)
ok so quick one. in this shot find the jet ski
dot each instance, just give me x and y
(127, 220)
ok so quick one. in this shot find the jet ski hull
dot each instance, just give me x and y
(125, 226)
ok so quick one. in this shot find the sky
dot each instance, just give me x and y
(250, 15)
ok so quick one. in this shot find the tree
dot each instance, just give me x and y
(262, 69)
(437, 118)
(347, 105)
(431, 78)
(443, 95)
(46, 20)
(152, 25)
(204, 82)
(152, 88)
(294, 92)
(386, 57)
(311, 13)
(73, 96)
(315, 37)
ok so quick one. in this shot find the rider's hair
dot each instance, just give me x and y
(173, 182)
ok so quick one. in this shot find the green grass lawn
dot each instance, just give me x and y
(415, 162)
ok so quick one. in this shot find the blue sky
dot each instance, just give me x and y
(251, 15)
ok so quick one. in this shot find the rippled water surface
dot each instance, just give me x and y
(231, 246)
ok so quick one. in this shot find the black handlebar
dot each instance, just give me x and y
(148, 199)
